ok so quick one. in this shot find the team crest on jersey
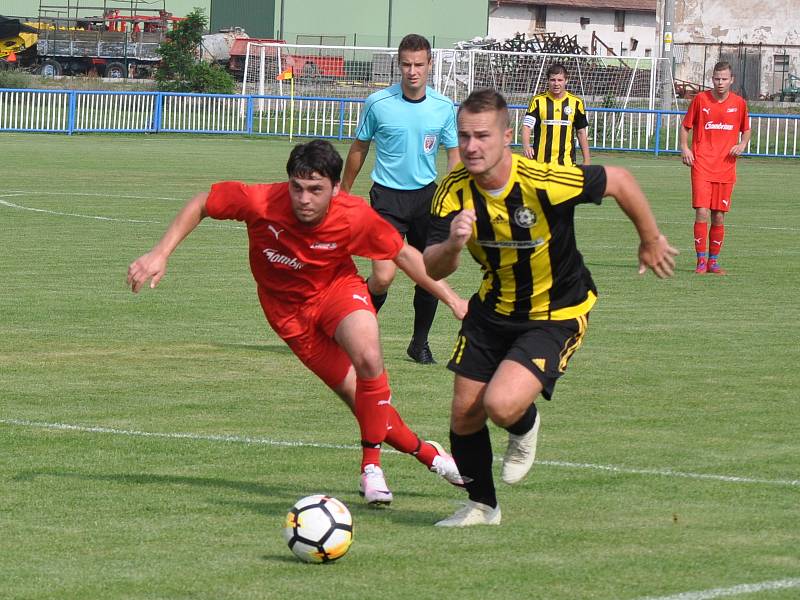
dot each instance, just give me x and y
(525, 217)
(429, 143)
(567, 110)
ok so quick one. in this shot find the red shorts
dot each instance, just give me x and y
(711, 194)
(317, 322)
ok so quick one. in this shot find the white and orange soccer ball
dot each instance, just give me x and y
(318, 529)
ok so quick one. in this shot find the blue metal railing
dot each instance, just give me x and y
(72, 111)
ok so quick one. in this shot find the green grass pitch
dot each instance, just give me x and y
(150, 445)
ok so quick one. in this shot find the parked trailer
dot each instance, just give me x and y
(112, 46)
(308, 64)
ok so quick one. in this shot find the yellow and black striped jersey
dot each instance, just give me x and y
(554, 124)
(524, 238)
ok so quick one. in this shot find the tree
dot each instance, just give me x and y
(180, 69)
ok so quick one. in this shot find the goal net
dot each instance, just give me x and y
(327, 71)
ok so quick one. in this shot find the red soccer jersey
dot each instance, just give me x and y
(716, 126)
(291, 262)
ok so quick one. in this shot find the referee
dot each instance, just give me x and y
(408, 121)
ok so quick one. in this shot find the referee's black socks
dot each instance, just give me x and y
(377, 299)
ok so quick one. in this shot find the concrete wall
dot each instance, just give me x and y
(505, 21)
(754, 38)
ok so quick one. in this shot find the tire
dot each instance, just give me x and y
(50, 68)
(116, 70)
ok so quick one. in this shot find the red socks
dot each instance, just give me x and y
(700, 237)
(379, 422)
(716, 236)
(403, 439)
(373, 398)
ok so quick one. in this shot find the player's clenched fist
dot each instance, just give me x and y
(461, 227)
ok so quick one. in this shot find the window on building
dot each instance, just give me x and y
(619, 20)
(540, 17)
(781, 63)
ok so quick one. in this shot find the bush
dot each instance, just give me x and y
(14, 80)
(180, 70)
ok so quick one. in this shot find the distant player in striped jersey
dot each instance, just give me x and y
(516, 218)
(554, 119)
(717, 118)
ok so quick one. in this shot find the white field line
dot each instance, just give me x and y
(16, 193)
(237, 439)
(100, 218)
(737, 590)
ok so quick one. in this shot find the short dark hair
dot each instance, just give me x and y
(722, 66)
(317, 156)
(557, 68)
(414, 42)
(486, 100)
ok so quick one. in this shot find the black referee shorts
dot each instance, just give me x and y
(542, 347)
(408, 210)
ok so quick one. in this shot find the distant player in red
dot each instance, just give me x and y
(721, 132)
(303, 234)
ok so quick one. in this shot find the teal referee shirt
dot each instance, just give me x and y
(407, 134)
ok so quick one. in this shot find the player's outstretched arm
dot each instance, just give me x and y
(655, 253)
(153, 265)
(410, 261)
(352, 165)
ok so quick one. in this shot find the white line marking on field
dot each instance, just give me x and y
(283, 443)
(737, 590)
(100, 218)
(64, 214)
(14, 193)
(89, 194)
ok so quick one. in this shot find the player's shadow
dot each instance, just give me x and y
(280, 497)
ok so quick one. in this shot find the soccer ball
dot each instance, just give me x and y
(318, 529)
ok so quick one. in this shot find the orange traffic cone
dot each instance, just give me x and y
(11, 58)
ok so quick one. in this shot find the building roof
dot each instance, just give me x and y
(633, 5)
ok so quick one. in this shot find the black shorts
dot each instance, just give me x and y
(408, 210)
(542, 347)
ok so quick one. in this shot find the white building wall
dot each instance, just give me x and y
(506, 21)
(704, 28)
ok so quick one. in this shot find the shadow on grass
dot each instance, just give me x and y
(277, 499)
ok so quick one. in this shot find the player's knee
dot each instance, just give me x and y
(368, 362)
(466, 423)
(502, 412)
(379, 283)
